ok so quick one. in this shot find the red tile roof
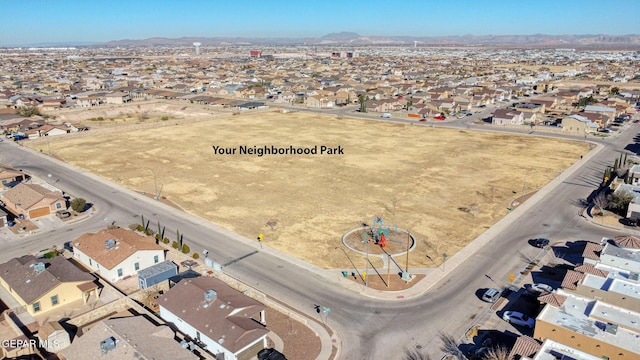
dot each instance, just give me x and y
(525, 346)
(553, 299)
(590, 269)
(571, 280)
(592, 251)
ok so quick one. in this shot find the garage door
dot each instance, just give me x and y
(1, 222)
(38, 212)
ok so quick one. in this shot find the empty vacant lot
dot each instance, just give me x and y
(445, 186)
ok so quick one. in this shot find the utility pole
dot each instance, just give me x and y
(408, 244)
(388, 270)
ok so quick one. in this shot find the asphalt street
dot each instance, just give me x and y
(367, 327)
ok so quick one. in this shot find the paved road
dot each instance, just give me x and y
(367, 327)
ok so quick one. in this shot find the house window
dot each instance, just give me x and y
(155, 259)
(54, 300)
(36, 307)
(119, 272)
(58, 206)
(136, 266)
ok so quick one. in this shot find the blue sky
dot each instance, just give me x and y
(26, 22)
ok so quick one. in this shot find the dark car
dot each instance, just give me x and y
(469, 114)
(270, 354)
(63, 214)
(541, 242)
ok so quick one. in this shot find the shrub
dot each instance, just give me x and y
(165, 240)
(164, 118)
(196, 256)
(185, 249)
(148, 232)
(78, 204)
(157, 236)
(174, 245)
(140, 227)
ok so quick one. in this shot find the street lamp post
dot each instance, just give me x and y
(366, 271)
(155, 182)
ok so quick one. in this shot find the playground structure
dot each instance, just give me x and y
(383, 241)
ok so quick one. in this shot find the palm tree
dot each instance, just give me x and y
(450, 346)
(497, 353)
(415, 354)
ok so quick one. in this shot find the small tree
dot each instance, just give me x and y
(165, 240)
(185, 249)
(196, 256)
(363, 103)
(174, 245)
(601, 201)
(78, 204)
(619, 201)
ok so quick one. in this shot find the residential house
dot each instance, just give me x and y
(634, 175)
(608, 113)
(578, 125)
(117, 253)
(10, 177)
(118, 97)
(127, 338)
(633, 210)
(228, 323)
(33, 201)
(507, 117)
(593, 326)
(42, 285)
(47, 130)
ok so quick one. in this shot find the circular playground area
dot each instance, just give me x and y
(379, 239)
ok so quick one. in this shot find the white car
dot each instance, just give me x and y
(540, 289)
(518, 318)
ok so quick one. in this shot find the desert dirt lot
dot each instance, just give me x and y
(445, 186)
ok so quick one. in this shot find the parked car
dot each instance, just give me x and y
(518, 318)
(629, 221)
(386, 115)
(469, 114)
(491, 295)
(67, 246)
(439, 117)
(541, 243)
(539, 289)
(63, 214)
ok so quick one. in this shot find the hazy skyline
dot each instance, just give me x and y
(29, 22)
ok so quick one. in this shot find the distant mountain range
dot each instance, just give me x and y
(354, 39)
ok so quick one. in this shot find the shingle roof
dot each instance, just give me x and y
(127, 243)
(21, 276)
(29, 194)
(229, 317)
(136, 338)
